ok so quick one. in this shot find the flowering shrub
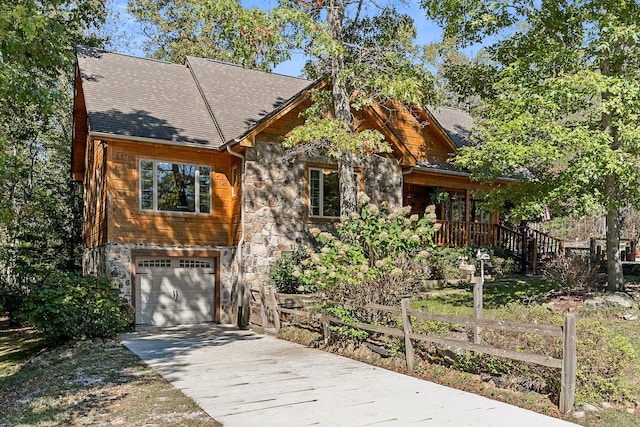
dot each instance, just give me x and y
(376, 256)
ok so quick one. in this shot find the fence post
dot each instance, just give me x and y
(477, 308)
(406, 323)
(569, 365)
(263, 307)
(274, 302)
(326, 331)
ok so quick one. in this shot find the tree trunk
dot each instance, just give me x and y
(615, 278)
(341, 107)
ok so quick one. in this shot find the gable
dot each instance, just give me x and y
(239, 98)
(422, 136)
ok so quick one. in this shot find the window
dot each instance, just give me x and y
(175, 187)
(324, 192)
(154, 263)
(194, 263)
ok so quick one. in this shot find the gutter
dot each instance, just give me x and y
(242, 322)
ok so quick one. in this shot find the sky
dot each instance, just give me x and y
(427, 31)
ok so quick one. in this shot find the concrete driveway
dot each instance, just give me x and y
(244, 379)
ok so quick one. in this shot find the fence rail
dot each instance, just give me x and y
(271, 309)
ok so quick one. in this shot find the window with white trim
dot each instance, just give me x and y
(175, 187)
(324, 192)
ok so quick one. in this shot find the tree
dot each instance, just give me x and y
(369, 55)
(39, 206)
(366, 51)
(564, 111)
(216, 29)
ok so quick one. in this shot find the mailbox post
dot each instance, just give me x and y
(481, 256)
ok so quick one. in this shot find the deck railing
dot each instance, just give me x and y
(460, 233)
(539, 245)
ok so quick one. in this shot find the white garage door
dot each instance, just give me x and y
(175, 291)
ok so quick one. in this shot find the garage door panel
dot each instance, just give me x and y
(170, 296)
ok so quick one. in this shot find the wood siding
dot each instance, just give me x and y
(128, 223)
(443, 180)
(94, 226)
(235, 205)
(424, 140)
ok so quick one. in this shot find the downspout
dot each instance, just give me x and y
(242, 322)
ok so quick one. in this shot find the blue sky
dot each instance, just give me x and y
(428, 31)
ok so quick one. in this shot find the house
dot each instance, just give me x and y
(187, 199)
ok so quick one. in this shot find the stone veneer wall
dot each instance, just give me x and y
(276, 203)
(114, 261)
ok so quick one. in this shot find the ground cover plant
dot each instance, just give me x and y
(608, 348)
(90, 382)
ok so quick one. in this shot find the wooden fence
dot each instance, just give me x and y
(272, 309)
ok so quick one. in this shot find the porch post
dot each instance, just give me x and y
(525, 246)
(467, 215)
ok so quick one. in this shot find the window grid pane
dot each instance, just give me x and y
(154, 263)
(175, 187)
(194, 263)
(331, 193)
(205, 189)
(314, 192)
(146, 184)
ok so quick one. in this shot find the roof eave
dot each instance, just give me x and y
(456, 173)
(108, 135)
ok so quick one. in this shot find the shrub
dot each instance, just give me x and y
(503, 261)
(445, 262)
(605, 363)
(65, 306)
(11, 297)
(572, 273)
(281, 274)
(376, 256)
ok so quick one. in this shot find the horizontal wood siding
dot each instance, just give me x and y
(94, 227)
(129, 224)
(80, 132)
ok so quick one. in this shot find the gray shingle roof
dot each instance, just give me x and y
(239, 98)
(457, 123)
(131, 96)
(140, 97)
(203, 102)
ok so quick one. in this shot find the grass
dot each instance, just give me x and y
(85, 383)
